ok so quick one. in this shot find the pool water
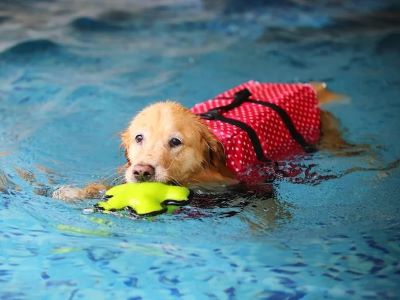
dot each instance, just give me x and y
(72, 74)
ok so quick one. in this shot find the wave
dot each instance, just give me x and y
(4, 19)
(30, 48)
(389, 43)
(5, 183)
(92, 24)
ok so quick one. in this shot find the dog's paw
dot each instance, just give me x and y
(67, 193)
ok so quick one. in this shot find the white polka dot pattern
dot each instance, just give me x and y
(298, 100)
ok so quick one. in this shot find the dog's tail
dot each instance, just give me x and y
(324, 95)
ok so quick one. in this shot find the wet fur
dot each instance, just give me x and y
(200, 160)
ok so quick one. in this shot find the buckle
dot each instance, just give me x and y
(241, 95)
(212, 114)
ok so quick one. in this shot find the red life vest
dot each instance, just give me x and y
(262, 122)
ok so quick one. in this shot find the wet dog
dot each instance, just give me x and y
(167, 142)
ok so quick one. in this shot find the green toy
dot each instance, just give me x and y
(145, 198)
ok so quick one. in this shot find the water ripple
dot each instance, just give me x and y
(92, 24)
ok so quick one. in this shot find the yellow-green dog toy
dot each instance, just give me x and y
(145, 198)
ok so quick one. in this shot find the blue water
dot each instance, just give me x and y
(72, 74)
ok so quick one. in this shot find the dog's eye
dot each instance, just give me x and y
(174, 142)
(139, 138)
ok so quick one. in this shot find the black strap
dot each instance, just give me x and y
(308, 148)
(255, 141)
(239, 97)
(244, 96)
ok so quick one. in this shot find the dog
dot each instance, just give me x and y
(167, 142)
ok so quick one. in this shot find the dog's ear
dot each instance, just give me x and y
(214, 153)
(125, 142)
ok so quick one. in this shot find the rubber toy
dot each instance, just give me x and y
(145, 198)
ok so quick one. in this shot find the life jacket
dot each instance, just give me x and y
(263, 122)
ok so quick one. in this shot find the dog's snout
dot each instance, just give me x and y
(143, 172)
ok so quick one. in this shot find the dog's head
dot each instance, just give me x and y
(167, 143)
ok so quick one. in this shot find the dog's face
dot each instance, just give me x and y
(167, 143)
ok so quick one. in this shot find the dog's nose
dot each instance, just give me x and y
(143, 172)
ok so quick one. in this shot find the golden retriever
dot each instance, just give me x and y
(166, 142)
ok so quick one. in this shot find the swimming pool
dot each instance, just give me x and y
(72, 73)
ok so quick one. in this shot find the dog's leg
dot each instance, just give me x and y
(211, 179)
(324, 95)
(70, 193)
(67, 193)
(331, 136)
